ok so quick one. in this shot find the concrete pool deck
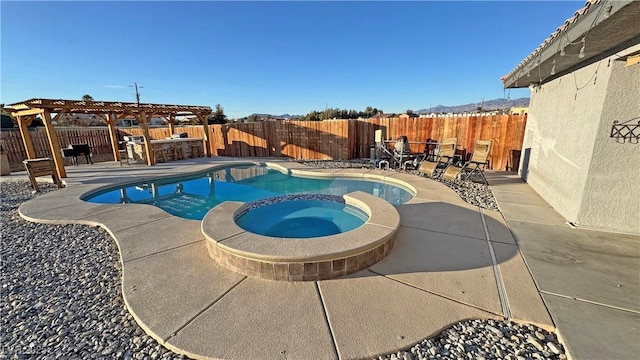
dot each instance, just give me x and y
(452, 261)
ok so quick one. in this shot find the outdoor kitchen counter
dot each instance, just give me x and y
(171, 141)
(190, 147)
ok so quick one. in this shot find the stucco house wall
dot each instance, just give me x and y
(569, 158)
(611, 194)
(559, 138)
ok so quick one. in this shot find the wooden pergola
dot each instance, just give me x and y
(109, 112)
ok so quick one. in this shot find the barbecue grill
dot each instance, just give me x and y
(75, 150)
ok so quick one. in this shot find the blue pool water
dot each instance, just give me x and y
(302, 219)
(191, 197)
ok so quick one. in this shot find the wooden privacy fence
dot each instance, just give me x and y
(294, 139)
(506, 133)
(332, 139)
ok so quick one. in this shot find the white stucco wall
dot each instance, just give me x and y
(571, 162)
(560, 134)
(612, 191)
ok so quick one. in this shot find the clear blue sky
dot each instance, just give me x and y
(272, 57)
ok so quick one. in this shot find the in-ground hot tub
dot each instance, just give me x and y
(297, 258)
(300, 216)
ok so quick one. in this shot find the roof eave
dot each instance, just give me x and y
(589, 23)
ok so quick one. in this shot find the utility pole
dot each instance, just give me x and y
(137, 93)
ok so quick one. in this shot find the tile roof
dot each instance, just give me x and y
(556, 34)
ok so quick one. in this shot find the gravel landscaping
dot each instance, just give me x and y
(486, 340)
(61, 298)
(61, 291)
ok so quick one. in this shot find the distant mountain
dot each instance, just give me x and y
(283, 116)
(495, 104)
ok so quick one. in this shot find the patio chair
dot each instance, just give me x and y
(429, 154)
(446, 154)
(124, 157)
(479, 159)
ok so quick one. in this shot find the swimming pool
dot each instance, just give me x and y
(192, 196)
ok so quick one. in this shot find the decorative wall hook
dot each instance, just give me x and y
(626, 130)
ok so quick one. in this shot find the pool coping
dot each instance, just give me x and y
(177, 307)
(309, 259)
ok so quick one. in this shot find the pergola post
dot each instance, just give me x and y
(23, 123)
(171, 119)
(113, 134)
(55, 145)
(144, 123)
(205, 130)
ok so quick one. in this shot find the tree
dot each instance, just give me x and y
(331, 113)
(7, 120)
(87, 97)
(368, 112)
(37, 121)
(218, 116)
(313, 116)
(409, 112)
(254, 118)
(371, 111)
